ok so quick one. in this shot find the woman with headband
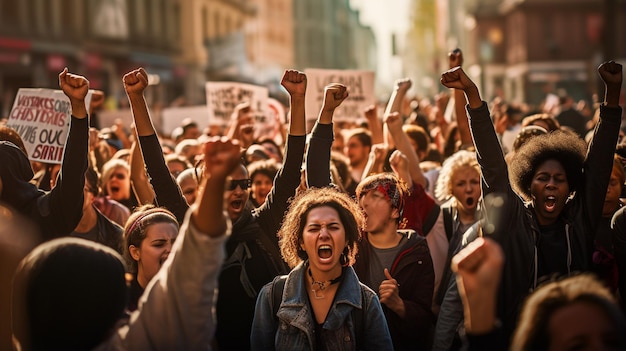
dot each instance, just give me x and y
(150, 233)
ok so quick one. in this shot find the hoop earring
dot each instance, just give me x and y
(343, 259)
(303, 255)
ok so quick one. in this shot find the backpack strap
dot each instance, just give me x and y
(447, 272)
(447, 222)
(430, 219)
(359, 328)
(277, 287)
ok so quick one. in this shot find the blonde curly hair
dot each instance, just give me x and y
(461, 158)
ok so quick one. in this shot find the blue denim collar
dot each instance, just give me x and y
(295, 307)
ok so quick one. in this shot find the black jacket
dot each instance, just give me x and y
(519, 231)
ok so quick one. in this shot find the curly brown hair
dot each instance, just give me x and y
(566, 148)
(290, 233)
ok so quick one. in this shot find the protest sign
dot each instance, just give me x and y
(42, 119)
(223, 97)
(173, 117)
(360, 86)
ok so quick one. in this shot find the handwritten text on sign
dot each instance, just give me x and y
(360, 86)
(42, 118)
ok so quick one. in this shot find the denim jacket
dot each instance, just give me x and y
(293, 326)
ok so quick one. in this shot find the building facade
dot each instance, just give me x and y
(101, 39)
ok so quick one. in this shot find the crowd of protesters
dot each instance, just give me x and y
(500, 227)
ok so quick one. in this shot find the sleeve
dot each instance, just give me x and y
(598, 166)
(264, 324)
(450, 317)
(438, 246)
(168, 193)
(418, 321)
(62, 208)
(286, 182)
(318, 156)
(419, 208)
(488, 151)
(176, 310)
(618, 226)
(376, 329)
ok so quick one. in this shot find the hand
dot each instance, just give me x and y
(97, 100)
(294, 82)
(221, 156)
(378, 152)
(399, 162)
(371, 113)
(611, 73)
(479, 268)
(390, 294)
(501, 123)
(457, 79)
(135, 81)
(246, 134)
(455, 58)
(74, 86)
(394, 122)
(243, 113)
(404, 84)
(118, 129)
(334, 94)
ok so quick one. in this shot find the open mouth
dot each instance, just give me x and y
(162, 260)
(469, 201)
(550, 203)
(324, 251)
(237, 204)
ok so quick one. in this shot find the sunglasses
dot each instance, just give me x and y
(244, 184)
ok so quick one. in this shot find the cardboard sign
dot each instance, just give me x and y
(174, 116)
(223, 97)
(42, 119)
(360, 86)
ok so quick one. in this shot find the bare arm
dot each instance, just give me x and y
(138, 177)
(394, 125)
(456, 60)
(375, 124)
(221, 156)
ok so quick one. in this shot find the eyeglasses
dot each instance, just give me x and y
(244, 184)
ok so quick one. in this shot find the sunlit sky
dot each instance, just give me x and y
(385, 17)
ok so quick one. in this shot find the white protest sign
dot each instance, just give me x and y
(360, 86)
(42, 119)
(223, 97)
(174, 116)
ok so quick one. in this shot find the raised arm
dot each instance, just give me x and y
(287, 179)
(318, 153)
(220, 158)
(166, 190)
(175, 312)
(138, 177)
(295, 83)
(393, 122)
(488, 151)
(599, 161)
(375, 124)
(61, 209)
(478, 268)
(241, 126)
(455, 58)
